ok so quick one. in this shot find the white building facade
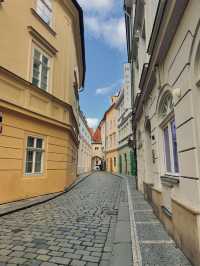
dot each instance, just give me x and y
(85, 147)
(163, 39)
(126, 162)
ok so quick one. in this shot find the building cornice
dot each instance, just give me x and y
(120, 98)
(13, 77)
(124, 119)
(81, 22)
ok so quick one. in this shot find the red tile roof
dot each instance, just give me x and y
(91, 130)
(97, 136)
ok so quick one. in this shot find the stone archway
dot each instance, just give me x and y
(97, 161)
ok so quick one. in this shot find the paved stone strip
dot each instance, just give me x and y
(76, 228)
(156, 246)
(137, 258)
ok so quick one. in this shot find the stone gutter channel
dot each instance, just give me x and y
(8, 208)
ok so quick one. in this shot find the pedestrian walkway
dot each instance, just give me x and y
(122, 243)
(152, 246)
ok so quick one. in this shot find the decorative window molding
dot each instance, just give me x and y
(48, 27)
(168, 129)
(166, 105)
(36, 35)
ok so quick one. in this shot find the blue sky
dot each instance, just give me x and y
(105, 55)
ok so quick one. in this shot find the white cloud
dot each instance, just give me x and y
(96, 5)
(103, 21)
(110, 88)
(112, 31)
(93, 122)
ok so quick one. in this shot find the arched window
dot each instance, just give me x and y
(166, 114)
(166, 105)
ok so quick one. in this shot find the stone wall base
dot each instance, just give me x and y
(183, 226)
(148, 192)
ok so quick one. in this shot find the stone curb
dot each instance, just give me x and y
(27, 203)
(78, 181)
(137, 258)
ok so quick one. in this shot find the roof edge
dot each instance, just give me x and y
(82, 30)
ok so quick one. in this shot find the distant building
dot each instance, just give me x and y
(42, 67)
(110, 137)
(126, 160)
(97, 152)
(85, 146)
(163, 40)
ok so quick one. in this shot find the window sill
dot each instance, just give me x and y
(166, 212)
(33, 175)
(43, 22)
(170, 180)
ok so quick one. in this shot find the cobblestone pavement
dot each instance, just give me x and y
(74, 229)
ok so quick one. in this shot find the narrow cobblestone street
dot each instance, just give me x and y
(89, 225)
(72, 229)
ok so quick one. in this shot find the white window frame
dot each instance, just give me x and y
(166, 116)
(34, 149)
(42, 53)
(47, 4)
(167, 125)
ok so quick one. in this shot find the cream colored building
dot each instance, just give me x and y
(85, 146)
(42, 67)
(97, 150)
(123, 105)
(167, 118)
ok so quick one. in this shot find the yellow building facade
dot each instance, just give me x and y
(111, 144)
(42, 67)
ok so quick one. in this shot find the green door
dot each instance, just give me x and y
(120, 164)
(133, 164)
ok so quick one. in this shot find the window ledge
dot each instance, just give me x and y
(33, 174)
(34, 12)
(170, 180)
(166, 212)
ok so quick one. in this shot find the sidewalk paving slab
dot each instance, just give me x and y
(156, 247)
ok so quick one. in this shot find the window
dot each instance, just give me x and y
(41, 69)
(174, 146)
(167, 149)
(170, 143)
(96, 148)
(115, 161)
(169, 134)
(34, 155)
(1, 122)
(114, 139)
(44, 10)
